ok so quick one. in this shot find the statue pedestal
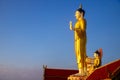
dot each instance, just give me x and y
(76, 77)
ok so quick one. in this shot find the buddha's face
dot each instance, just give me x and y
(95, 55)
(77, 15)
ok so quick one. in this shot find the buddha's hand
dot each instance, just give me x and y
(70, 25)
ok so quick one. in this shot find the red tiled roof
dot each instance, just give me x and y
(100, 73)
(57, 74)
(104, 71)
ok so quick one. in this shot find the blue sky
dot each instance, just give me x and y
(34, 33)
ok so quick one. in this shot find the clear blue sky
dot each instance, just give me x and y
(34, 33)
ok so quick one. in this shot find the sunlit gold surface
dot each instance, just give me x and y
(80, 40)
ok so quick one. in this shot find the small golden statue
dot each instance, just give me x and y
(94, 62)
(97, 59)
(80, 40)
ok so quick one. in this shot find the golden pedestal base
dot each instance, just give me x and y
(76, 77)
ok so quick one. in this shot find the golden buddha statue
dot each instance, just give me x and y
(80, 40)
